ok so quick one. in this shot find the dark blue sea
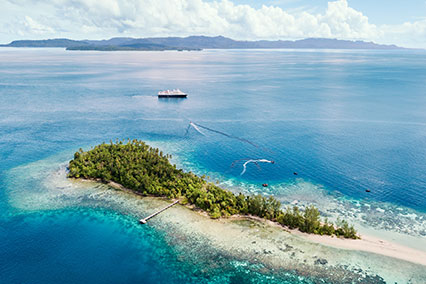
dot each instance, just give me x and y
(344, 120)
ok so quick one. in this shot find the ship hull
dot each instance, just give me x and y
(173, 96)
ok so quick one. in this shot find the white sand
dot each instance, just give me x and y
(261, 242)
(366, 243)
(373, 245)
(255, 241)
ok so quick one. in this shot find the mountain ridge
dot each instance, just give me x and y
(196, 43)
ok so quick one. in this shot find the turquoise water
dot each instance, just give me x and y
(345, 121)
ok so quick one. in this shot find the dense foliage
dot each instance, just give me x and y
(148, 171)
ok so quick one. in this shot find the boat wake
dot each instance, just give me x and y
(248, 161)
(43, 185)
(197, 127)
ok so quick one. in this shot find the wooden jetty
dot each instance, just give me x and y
(144, 220)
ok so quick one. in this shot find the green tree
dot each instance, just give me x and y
(148, 171)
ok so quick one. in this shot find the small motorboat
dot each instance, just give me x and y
(367, 190)
(265, 185)
(295, 173)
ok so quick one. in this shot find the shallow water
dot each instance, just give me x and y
(344, 121)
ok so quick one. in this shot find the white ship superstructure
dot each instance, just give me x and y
(175, 93)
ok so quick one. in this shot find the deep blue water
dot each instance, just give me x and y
(346, 120)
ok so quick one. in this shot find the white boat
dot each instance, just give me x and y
(172, 94)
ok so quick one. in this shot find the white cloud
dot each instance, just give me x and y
(139, 18)
(409, 32)
(32, 26)
(346, 22)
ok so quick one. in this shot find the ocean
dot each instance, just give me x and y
(345, 121)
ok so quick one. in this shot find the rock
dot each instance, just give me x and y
(321, 261)
(267, 251)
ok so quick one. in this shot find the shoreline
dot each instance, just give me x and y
(372, 245)
(199, 240)
(367, 243)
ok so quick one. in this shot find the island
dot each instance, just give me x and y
(147, 171)
(131, 47)
(192, 43)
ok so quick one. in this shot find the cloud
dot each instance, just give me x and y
(346, 22)
(139, 18)
(409, 32)
(32, 26)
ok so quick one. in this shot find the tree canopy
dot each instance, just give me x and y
(148, 171)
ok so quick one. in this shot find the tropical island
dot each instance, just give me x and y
(148, 171)
(192, 43)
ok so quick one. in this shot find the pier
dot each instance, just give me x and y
(144, 220)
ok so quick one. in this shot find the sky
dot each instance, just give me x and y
(401, 22)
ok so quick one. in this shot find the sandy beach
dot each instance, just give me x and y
(371, 244)
(265, 242)
(259, 240)
(252, 241)
(366, 243)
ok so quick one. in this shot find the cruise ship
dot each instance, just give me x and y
(172, 94)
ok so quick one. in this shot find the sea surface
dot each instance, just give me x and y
(344, 120)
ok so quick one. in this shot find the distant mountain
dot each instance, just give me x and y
(134, 46)
(195, 43)
(58, 42)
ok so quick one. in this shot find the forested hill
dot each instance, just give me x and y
(101, 45)
(148, 171)
(196, 43)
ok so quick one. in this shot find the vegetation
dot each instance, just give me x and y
(130, 47)
(148, 171)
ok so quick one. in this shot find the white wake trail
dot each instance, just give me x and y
(196, 128)
(254, 161)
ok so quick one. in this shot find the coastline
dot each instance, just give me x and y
(372, 245)
(261, 243)
(199, 240)
(367, 243)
